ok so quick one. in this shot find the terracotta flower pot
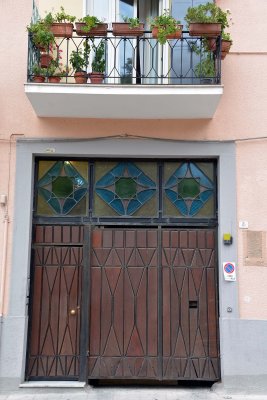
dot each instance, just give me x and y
(99, 30)
(175, 35)
(96, 77)
(225, 47)
(80, 77)
(205, 29)
(60, 29)
(123, 29)
(38, 79)
(54, 79)
(45, 60)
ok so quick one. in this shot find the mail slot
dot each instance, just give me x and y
(193, 304)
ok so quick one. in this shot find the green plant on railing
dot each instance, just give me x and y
(166, 24)
(133, 22)
(207, 13)
(226, 36)
(99, 62)
(60, 16)
(37, 70)
(41, 35)
(79, 58)
(90, 22)
(55, 68)
(205, 68)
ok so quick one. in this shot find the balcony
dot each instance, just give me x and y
(142, 78)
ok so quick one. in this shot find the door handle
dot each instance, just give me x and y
(73, 311)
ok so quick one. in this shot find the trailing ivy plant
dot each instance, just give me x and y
(166, 24)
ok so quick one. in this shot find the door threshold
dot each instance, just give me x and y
(52, 384)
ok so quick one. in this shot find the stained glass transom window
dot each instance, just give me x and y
(125, 188)
(62, 188)
(99, 189)
(189, 189)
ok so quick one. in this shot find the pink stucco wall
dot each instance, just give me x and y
(241, 114)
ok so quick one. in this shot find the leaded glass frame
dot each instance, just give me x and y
(145, 191)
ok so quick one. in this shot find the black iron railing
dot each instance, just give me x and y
(142, 60)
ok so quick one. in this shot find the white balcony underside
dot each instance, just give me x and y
(124, 102)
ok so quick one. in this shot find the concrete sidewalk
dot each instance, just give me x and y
(129, 393)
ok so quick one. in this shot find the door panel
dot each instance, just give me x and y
(124, 304)
(152, 304)
(128, 327)
(55, 318)
(190, 336)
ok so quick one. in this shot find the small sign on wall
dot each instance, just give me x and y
(229, 271)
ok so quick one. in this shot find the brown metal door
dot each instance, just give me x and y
(123, 340)
(190, 316)
(153, 308)
(54, 331)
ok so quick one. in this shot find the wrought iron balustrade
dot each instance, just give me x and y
(140, 61)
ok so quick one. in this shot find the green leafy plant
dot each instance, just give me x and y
(55, 68)
(207, 13)
(166, 24)
(38, 71)
(99, 62)
(41, 35)
(60, 16)
(78, 58)
(133, 22)
(226, 36)
(90, 22)
(205, 68)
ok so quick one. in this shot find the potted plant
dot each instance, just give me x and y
(166, 27)
(91, 26)
(39, 73)
(61, 24)
(78, 61)
(226, 43)
(55, 72)
(130, 27)
(98, 64)
(41, 35)
(206, 20)
(205, 69)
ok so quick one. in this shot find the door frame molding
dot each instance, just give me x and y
(28, 149)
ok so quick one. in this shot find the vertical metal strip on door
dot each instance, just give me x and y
(123, 341)
(54, 331)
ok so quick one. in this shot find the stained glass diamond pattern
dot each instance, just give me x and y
(188, 189)
(125, 188)
(62, 187)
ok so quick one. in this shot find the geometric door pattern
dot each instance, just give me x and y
(134, 334)
(123, 339)
(190, 334)
(54, 331)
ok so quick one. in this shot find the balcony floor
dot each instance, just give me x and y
(124, 101)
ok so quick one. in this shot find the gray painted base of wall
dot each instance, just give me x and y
(246, 384)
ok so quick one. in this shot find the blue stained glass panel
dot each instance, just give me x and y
(188, 189)
(61, 187)
(125, 187)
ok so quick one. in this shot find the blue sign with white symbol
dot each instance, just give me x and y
(229, 271)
